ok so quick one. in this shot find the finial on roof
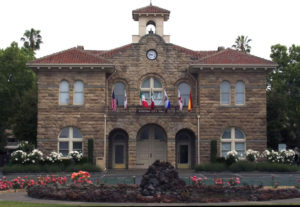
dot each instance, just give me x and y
(150, 2)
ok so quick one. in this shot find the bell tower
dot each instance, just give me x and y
(151, 20)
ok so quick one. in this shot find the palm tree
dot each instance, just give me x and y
(242, 44)
(32, 39)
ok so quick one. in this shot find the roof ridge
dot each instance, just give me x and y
(165, 10)
(92, 55)
(217, 53)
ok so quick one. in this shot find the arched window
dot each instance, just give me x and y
(152, 85)
(119, 90)
(150, 27)
(184, 89)
(78, 93)
(225, 93)
(233, 139)
(69, 139)
(239, 93)
(64, 93)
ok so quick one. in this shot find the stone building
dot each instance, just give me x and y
(75, 87)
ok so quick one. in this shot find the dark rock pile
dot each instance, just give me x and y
(160, 178)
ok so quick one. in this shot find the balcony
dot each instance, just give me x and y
(157, 111)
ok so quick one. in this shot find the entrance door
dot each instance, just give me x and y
(119, 156)
(183, 156)
(151, 146)
(185, 149)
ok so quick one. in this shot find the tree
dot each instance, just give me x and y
(16, 79)
(283, 97)
(32, 39)
(242, 44)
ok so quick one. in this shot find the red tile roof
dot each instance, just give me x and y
(109, 53)
(150, 10)
(233, 57)
(71, 56)
(196, 54)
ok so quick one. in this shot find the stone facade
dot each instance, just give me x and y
(207, 120)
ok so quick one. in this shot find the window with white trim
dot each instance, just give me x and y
(239, 93)
(69, 139)
(152, 85)
(225, 93)
(64, 93)
(184, 89)
(233, 139)
(78, 93)
(119, 90)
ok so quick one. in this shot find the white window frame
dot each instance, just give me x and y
(67, 92)
(153, 89)
(80, 92)
(70, 139)
(233, 140)
(244, 93)
(120, 104)
(181, 93)
(221, 103)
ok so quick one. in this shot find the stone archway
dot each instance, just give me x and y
(118, 149)
(185, 149)
(151, 145)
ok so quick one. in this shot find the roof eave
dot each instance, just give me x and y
(92, 66)
(196, 67)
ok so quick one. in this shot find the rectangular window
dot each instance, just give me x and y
(239, 98)
(64, 98)
(240, 148)
(77, 146)
(157, 98)
(64, 148)
(226, 147)
(225, 99)
(78, 98)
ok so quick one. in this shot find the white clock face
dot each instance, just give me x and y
(151, 54)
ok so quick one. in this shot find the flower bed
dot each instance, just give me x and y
(131, 193)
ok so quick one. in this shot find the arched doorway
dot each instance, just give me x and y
(185, 149)
(118, 149)
(151, 145)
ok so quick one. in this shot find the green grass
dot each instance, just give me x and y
(25, 204)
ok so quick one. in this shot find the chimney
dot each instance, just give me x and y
(79, 47)
(220, 48)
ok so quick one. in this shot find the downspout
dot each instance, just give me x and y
(198, 161)
(104, 157)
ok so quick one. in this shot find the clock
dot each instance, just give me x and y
(151, 54)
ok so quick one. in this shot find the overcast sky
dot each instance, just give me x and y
(194, 24)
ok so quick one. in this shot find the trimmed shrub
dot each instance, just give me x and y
(231, 157)
(241, 166)
(276, 167)
(213, 151)
(90, 150)
(211, 167)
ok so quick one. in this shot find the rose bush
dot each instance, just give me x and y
(231, 157)
(18, 157)
(75, 156)
(252, 155)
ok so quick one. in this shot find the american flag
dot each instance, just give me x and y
(113, 102)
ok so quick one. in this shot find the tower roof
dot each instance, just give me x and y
(150, 10)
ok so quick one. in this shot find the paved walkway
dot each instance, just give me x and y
(22, 197)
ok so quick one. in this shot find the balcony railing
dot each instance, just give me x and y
(156, 110)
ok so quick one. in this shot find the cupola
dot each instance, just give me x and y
(151, 20)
